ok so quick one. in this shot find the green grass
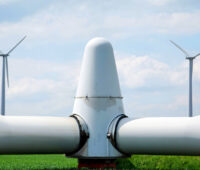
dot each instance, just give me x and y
(60, 162)
(147, 162)
(39, 162)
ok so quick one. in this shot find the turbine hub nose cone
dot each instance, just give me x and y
(98, 74)
(98, 99)
(98, 43)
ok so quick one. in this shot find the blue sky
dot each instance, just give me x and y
(44, 69)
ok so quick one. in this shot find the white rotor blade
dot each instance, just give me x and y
(7, 71)
(196, 55)
(16, 45)
(180, 48)
(34, 134)
(159, 135)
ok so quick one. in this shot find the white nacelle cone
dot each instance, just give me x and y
(98, 73)
(98, 100)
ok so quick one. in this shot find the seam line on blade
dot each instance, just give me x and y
(87, 97)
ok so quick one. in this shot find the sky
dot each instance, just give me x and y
(44, 69)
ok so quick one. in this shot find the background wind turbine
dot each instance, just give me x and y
(190, 58)
(5, 70)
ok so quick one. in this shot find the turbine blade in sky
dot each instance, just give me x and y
(16, 45)
(180, 48)
(196, 55)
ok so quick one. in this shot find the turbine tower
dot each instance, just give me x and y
(5, 70)
(190, 58)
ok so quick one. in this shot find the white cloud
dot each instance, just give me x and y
(82, 22)
(145, 71)
(159, 2)
(164, 23)
(164, 89)
(46, 26)
(41, 87)
(3, 2)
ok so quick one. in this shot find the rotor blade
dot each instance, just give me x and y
(130, 135)
(16, 45)
(18, 134)
(7, 71)
(180, 48)
(196, 55)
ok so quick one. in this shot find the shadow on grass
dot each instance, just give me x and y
(62, 169)
(120, 164)
(124, 164)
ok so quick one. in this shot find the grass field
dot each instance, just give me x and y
(58, 162)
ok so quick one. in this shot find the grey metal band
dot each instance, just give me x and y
(84, 132)
(88, 97)
(111, 134)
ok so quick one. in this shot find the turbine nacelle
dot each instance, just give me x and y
(4, 55)
(192, 57)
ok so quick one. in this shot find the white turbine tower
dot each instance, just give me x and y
(5, 70)
(190, 58)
